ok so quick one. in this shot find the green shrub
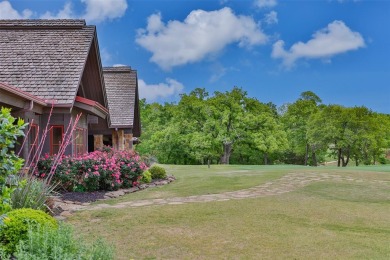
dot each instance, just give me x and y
(158, 172)
(45, 243)
(15, 224)
(146, 177)
(10, 130)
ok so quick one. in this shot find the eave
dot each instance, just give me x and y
(16, 97)
(91, 106)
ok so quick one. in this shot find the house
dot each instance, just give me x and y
(51, 72)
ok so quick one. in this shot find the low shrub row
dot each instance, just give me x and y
(105, 169)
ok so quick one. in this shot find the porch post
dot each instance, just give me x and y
(128, 145)
(121, 140)
(97, 142)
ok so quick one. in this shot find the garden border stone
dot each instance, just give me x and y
(63, 209)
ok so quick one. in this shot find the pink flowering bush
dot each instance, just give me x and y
(106, 169)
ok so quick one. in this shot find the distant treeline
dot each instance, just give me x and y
(230, 127)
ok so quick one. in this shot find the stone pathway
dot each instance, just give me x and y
(287, 183)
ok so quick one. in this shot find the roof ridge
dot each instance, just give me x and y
(42, 23)
(117, 69)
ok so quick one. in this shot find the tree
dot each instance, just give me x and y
(264, 128)
(295, 120)
(227, 113)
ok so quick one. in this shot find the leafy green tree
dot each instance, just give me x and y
(264, 128)
(295, 120)
(227, 113)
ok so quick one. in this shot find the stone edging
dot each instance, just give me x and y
(64, 208)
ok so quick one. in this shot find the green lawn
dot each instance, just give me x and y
(324, 220)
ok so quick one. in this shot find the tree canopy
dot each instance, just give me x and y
(230, 127)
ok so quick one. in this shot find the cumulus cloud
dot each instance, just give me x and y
(336, 38)
(271, 18)
(100, 10)
(162, 90)
(265, 3)
(201, 33)
(95, 11)
(65, 13)
(8, 12)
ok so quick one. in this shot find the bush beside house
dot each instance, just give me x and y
(105, 169)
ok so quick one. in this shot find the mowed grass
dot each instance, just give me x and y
(324, 220)
(198, 180)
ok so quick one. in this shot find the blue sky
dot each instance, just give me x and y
(273, 49)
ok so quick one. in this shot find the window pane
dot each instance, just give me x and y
(57, 135)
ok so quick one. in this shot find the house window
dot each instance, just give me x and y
(33, 140)
(80, 141)
(56, 138)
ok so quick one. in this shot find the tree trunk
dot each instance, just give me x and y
(346, 161)
(265, 158)
(208, 163)
(306, 154)
(356, 161)
(314, 158)
(339, 158)
(227, 150)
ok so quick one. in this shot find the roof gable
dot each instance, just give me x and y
(45, 58)
(121, 88)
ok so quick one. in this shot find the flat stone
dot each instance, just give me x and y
(60, 218)
(143, 186)
(65, 214)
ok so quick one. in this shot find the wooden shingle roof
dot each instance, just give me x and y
(45, 58)
(121, 88)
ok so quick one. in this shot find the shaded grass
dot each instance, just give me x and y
(331, 220)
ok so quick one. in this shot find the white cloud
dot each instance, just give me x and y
(336, 38)
(8, 12)
(100, 10)
(265, 3)
(120, 65)
(271, 17)
(201, 33)
(65, 13)
(162, 90)
(95, 11)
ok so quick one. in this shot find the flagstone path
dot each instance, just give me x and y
(287, 183)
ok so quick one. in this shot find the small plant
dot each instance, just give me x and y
(46, 243)
(146, 177)
(158, 172)
(32, 193)
(15, 224)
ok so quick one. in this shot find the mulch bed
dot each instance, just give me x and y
(83, 197)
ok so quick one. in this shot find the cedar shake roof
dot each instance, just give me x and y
(45, 58)
(122, 93)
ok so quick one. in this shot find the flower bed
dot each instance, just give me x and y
(105, 169)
